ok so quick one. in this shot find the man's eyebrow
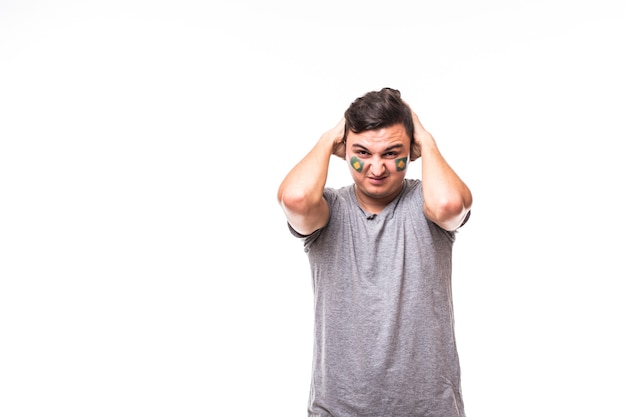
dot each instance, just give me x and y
(396, 146)
(389, 148)
(356, 145)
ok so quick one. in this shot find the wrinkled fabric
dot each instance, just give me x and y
(384, 341)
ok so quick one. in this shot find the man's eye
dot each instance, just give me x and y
(361, 152)
(391, 154)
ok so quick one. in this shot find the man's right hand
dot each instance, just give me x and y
(336, 135)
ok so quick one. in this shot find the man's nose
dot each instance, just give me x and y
(378, 168)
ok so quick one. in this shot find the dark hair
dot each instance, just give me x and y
(377, 110)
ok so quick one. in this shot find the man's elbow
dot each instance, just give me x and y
(449, 213)
(294, 201)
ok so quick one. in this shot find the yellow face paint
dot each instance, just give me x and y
(357, 164)
(401, 164)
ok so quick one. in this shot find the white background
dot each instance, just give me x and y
(145, 265)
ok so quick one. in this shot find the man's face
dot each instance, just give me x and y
(378, 161)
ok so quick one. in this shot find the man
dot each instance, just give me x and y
(380, 253)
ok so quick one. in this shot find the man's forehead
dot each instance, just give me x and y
(393, 136)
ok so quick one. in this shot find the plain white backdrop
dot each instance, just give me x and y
(146, 268)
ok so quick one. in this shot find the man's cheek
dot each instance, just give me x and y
(401, 164)
(356, 164)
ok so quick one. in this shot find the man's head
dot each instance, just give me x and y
(378, 141)
(379, 109)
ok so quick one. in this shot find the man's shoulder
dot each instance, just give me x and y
(334, 193)
(412, 183)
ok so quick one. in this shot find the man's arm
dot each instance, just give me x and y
(301, 192)
(447, 200)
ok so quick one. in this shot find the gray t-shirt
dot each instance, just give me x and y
(384, 341)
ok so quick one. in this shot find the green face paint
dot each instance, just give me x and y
(357, 164)
(401, 164)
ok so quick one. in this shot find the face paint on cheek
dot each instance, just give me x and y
(401, 164)
(356, 164)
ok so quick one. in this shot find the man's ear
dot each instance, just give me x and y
(416, 151)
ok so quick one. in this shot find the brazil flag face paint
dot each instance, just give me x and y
(357, 164)
(401, 164)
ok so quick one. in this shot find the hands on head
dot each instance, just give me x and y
(338, 133)
(339, 145)
(418, 133)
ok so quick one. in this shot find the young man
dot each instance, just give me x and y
(381, 255)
